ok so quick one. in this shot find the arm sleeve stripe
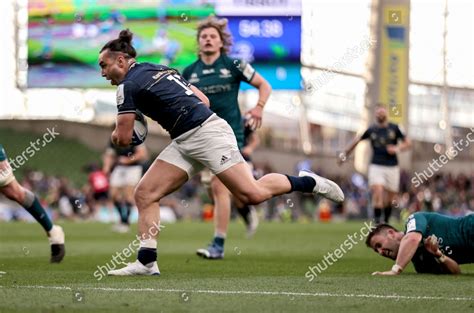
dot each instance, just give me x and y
(129, 111)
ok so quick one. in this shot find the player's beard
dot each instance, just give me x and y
(395, 249)
(381, 119)
(209, 53)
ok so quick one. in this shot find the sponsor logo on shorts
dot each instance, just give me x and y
(224, 159)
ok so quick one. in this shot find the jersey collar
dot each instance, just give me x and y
(212, 64)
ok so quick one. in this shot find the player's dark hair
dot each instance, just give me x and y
(122, 44)
(376, 230)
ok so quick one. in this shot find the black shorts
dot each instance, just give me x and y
(101, 195)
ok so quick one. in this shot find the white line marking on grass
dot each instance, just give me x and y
(247, 292)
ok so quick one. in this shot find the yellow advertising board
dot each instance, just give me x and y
(394, 61)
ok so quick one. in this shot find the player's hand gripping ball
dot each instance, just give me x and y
(140, 129)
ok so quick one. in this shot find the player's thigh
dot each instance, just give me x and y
(377, 190)
(236, 200)
(241, 183)
(217, 187)
(391, 197)
(212, 145)
(161, 179)
(129, 191)
(173, 155)
(115, 192)
(392, 178)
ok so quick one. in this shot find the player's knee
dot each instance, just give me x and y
(14, 194)
(142, 197)
(114, 194)
(130, 197)
(252, 197)
(10, 194)
(217, 187)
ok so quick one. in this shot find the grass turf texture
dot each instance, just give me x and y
(274, 261)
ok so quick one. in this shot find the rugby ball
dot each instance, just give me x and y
(140, 129)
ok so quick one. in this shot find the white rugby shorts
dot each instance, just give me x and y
(212, 145)
(387, 176)
(123, 176)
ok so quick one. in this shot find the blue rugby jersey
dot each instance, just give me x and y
(380, 137)
(162, 94)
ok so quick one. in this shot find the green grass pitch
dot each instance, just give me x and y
(263, 274)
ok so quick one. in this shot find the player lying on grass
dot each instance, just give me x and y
(10, 187)
(199, 139)
(435, 243)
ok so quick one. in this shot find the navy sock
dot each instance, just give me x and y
(121, 211)
(38, 212)
(147, 255)
(387, 213)
(304, 184)
(128, 210)
(377, 215)
(219, 241)
(244, 212)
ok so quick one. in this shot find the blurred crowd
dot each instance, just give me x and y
(444, 193)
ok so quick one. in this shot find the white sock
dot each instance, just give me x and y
(148, 243)
(220, 235)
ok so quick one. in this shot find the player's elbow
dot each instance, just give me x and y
(269, 87)
(266, 87)
(206, 101)
(412, 238)
(203, 98)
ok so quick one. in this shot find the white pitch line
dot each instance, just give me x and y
(247, 292)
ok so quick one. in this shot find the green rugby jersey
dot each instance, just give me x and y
(220, 82)
(3, 154)
(455, 238)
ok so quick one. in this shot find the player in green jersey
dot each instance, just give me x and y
(11, 189)
(219, 77)
(434, 243)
